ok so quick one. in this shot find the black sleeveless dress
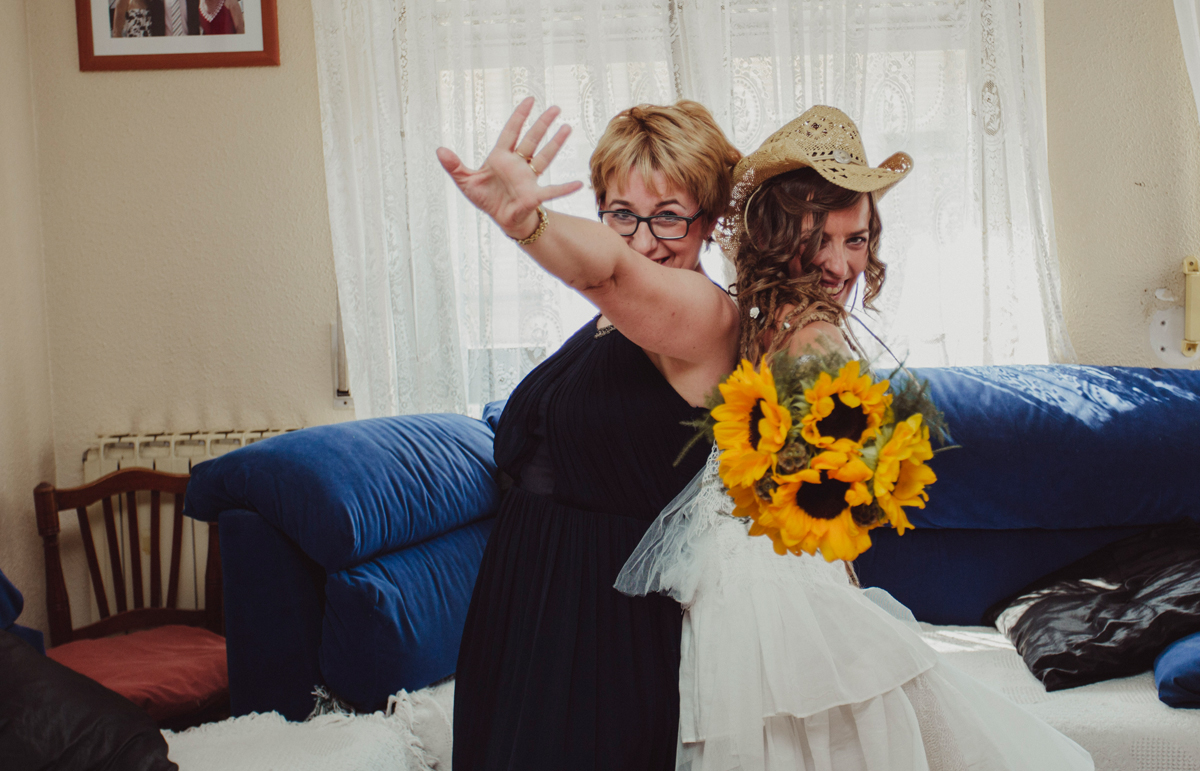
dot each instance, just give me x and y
(557, 670)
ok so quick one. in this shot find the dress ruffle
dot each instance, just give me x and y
(786, 665)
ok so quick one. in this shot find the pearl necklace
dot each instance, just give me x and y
(205, 14)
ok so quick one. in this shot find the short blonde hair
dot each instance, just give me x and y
(682, 140)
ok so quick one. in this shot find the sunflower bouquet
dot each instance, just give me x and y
(817, 452)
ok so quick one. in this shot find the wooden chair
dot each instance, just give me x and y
(151, 607)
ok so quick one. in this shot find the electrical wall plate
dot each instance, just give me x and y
(1191, 306)
(1166, 330)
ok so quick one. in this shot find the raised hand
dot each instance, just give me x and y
(505, 187)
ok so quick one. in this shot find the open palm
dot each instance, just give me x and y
(505, 187)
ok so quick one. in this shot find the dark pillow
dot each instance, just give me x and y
(348, 492)
(52, 717)
(1109, 614)
(1177, 673)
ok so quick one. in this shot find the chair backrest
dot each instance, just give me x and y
(160, 609)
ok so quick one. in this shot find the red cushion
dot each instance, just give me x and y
(169, 671)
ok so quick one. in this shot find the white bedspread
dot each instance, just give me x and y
(412, 734)
(1121, 722)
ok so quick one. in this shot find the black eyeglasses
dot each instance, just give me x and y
(664, 227)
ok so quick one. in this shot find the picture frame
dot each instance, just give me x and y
(176, 34)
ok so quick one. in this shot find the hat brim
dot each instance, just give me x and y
(751, 173)
(852, 176)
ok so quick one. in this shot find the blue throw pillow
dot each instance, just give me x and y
(348, 492)
(1062, 447)
(492, 412)
(1177, 673)
(11, 602)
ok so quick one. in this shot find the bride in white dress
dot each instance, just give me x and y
(785, 663)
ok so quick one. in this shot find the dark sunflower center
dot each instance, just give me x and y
(825, 500)
(868, 515)
(756, 414)
(844, 422)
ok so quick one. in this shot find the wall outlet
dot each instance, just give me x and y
(1166, 339)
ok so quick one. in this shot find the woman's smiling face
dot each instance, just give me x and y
(638, 198)
(842, 256)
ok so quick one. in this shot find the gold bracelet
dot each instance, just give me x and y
(541, 228)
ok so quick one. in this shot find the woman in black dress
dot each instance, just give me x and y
(557, 670)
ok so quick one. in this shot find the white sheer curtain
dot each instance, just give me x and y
(442, 312)
(1187, 15)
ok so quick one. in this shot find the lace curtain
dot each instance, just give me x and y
(1187, 16)
(443, 313)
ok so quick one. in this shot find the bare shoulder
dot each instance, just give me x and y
(817, 337)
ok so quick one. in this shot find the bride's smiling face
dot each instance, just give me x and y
(842, 256)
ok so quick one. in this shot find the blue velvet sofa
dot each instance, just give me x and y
(349, 552)
(1052, 463)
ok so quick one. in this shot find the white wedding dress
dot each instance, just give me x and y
(786, 665)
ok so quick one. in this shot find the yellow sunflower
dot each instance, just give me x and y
(751, 425)
(845, 411)
(746, 502)
(901, 475)
(811, 509)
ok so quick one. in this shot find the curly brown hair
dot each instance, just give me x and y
(790, 209)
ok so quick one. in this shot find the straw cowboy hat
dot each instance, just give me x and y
(824, 139)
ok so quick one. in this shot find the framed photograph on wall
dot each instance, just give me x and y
(176, 34)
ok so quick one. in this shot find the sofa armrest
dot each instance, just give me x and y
(349, 492)
(274, 605)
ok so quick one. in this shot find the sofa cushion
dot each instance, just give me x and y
(54, 717)
(1111, 613)
(1061, 447)
(169, 671)
(396, 622)
(348, 492)
(1177, 673)
(952, 576)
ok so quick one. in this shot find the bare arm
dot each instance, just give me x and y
(118, 22)
(235, 11)
(679, 314)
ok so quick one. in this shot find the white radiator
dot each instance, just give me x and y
(175, 453)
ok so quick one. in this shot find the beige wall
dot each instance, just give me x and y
(26, 430)
(1124, 153)
(187, 247)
